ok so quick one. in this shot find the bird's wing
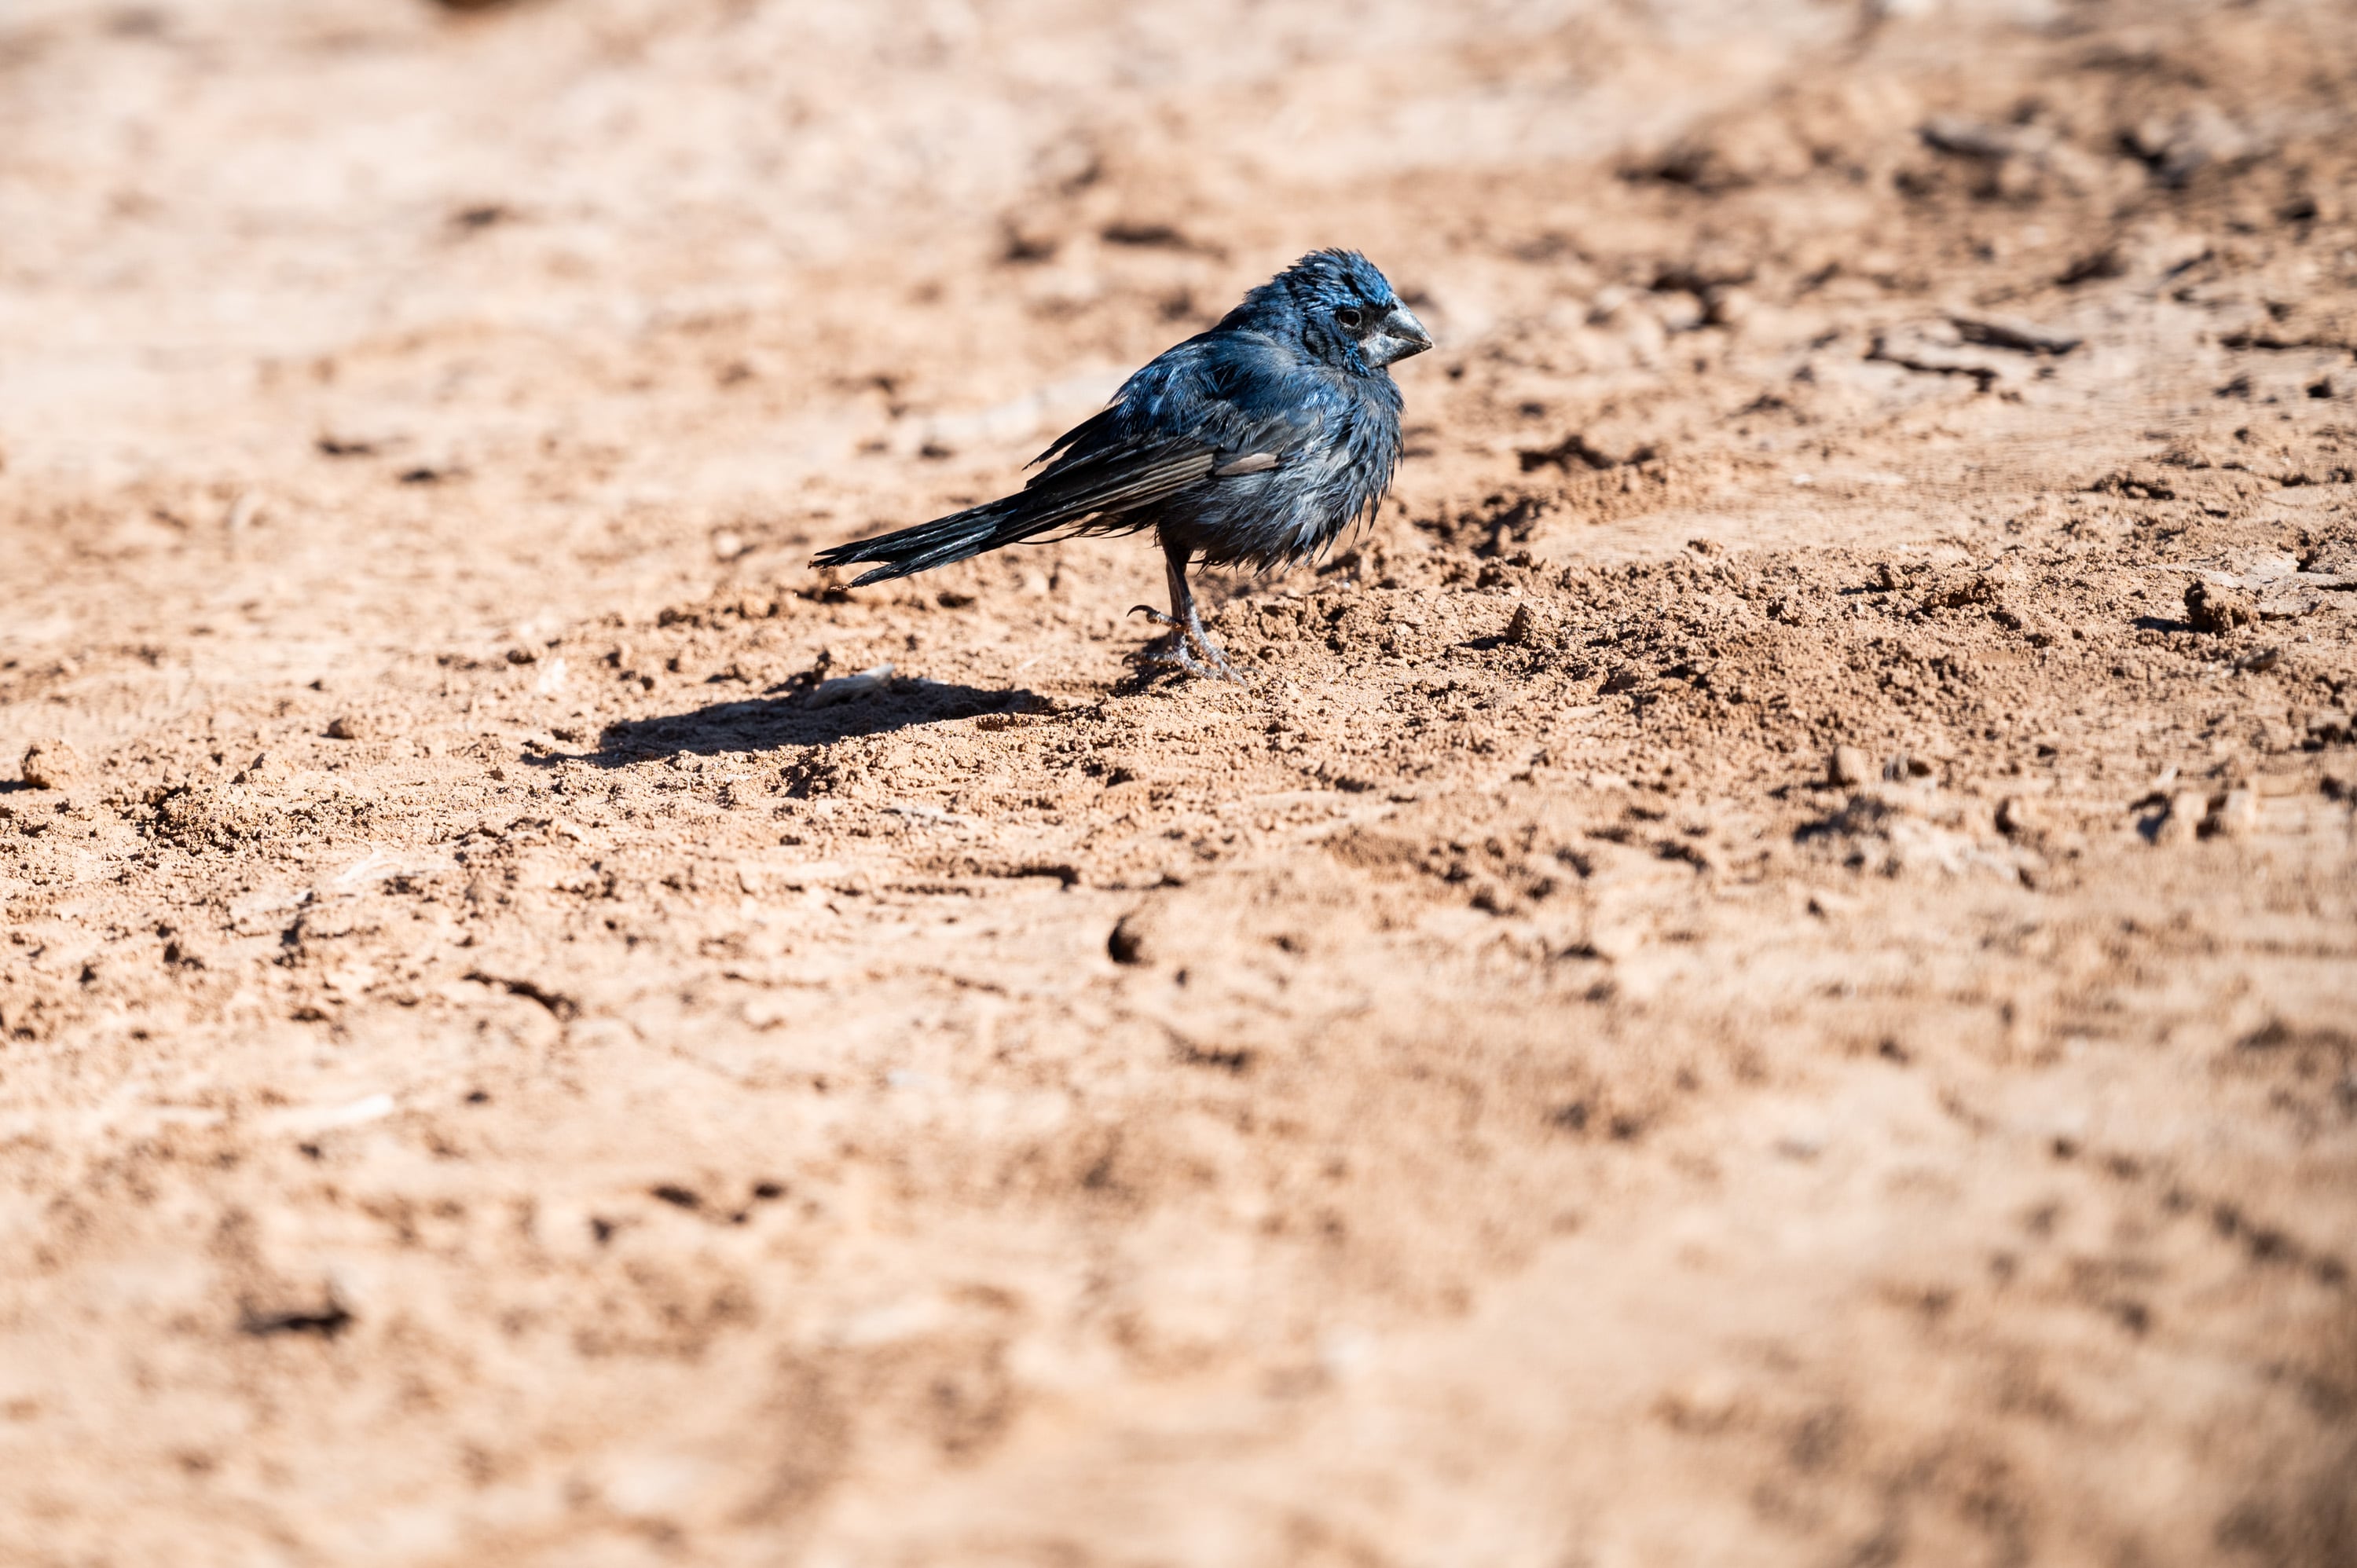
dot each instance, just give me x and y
(1214, 407)
(1123, 479)
(1218, 406)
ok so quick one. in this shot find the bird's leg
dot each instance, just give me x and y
(1171, 649)
(1186, 626)
(1186, 623)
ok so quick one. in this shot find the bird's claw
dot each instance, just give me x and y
(1173, 654)
(1174, 650)
(1220, 667)
(1213, 666)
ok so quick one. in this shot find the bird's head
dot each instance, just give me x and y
(1346, 312)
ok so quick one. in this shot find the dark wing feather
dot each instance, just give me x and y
(1069, 497)
(1207, 402)
(1116, 481)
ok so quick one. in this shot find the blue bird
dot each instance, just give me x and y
(1255, 443)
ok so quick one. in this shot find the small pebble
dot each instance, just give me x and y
(2186, 811)
(2015, 816)
(2212, 608)
(1129, 943)
(50, 765)
(2235, 815)
(1848, 767)
(850, 688)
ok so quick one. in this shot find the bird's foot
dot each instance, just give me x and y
(1173, 650)
(1168, 650)
(1216, 658)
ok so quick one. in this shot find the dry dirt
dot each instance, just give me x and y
(1766, 973)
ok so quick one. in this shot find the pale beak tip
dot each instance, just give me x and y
(1406, 334)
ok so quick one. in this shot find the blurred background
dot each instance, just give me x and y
(728, 268)
(489, 223)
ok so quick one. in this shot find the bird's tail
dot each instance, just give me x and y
(957, 537)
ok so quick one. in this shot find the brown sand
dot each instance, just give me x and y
(1752, 982)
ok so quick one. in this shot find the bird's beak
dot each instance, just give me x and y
(1400, 335)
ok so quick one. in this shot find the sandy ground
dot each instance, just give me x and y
(1753, 981)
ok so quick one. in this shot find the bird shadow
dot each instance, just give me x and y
(765, 723)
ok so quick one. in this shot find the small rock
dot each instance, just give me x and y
(52, 765)
(1848, 767)
(2233, 816)
(1679, 311)
(2196, 138)
(1127, 944)
(1729, 307)
(2016, 817)
(2290, 606)
(1523, 630)
(2005, 332)
(1615, 940)
(1703, 1403)
(348, 726)
(850, 688)
(2214, 608)
(2187, 811)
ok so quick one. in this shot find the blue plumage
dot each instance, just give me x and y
(1253, 444)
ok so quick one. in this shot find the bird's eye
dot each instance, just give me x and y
(1350, 315)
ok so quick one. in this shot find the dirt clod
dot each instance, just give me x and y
(2235, 815)
(2181, 817)
(2016, 817)
(2214, 608)
(1129, 943)
(52, 765)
